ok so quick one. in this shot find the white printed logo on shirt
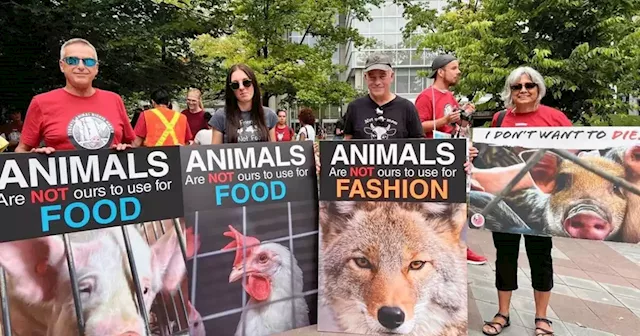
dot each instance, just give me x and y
(90, 131)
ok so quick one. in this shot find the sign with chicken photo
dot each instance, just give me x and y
(576, 182)
(391, 255)
(254, 207)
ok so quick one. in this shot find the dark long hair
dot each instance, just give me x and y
(233, 111)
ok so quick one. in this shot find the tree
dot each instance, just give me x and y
(141, 44)
(588, 51)
(302, 71)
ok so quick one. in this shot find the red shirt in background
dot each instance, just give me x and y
(196, 121)
(284, 134)
(445, 104)
(544, 116)
(68, 122)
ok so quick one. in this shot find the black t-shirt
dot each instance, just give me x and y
(399, 120)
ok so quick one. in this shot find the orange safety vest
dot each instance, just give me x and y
(165, 127)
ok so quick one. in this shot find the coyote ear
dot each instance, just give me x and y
(334, 216)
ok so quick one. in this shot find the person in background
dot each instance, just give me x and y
(307, 120)
(339, 131)
(195, 112)
(77, 116)
(243, 118)
(204, 136)
(284, 132)
(12, 130)
(162, 126)
(438, 111)
(523, 90)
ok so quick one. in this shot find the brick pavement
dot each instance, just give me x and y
(596, 291)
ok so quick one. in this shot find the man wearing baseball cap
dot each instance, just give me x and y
(438, 107)
(381, 114)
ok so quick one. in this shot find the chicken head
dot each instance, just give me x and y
(257, 264)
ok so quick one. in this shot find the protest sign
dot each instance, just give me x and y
(579, 184)
(261, 197)
(391, 257)
(72, 191)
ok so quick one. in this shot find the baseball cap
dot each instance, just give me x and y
(439, 62)
(378, 61)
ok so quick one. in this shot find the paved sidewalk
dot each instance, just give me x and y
(596, 291)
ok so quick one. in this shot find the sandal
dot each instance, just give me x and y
(494, 324)
(544, 332)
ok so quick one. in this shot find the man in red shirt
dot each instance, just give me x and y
(437, 107)
(283, 132)
(77, 116)
(195, 112)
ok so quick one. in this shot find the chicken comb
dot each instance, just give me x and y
(238, 243)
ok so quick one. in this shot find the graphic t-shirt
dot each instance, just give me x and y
(445, 103)
(544, 116)
(64, 121)
(284, 133)
(246, 132)
(398, 120)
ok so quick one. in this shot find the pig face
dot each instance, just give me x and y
(581, 203)
(40, 276)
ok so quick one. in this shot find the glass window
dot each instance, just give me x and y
(389, 41)
(362, 26)
(402, 81)
(390, 25)
(415, 82)
(361, 58)
(377, 25)
(403, 57)
(417, 58)
(377, 11)
(390, 9)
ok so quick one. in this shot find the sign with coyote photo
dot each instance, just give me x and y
(254, 207)
(391, 258)
(579, 182)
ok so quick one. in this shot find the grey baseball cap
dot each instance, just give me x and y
(378, 61)
(439, 62)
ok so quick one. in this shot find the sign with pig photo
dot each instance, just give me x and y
(391, 256)
(254, 208)
(70, 191)
(580, 182)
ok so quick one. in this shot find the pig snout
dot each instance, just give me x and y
(588, 225)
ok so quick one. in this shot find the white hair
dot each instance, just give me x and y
(514, 77)
(74, 41)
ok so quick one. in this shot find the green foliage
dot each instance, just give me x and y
(583, 48)
(302, 72)
(141, 44)
(610, 120)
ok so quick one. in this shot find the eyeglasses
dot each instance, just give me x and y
(235, 85)
(528, 86)
(72, 60)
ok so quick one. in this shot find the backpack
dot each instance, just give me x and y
(501, 118)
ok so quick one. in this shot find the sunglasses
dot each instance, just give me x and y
(72, 60)
(235, 85)
(528, 86)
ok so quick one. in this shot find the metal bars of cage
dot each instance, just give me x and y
(4, 296)
(565, 154)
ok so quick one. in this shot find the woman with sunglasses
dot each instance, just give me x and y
(243, 118)
(523, 91)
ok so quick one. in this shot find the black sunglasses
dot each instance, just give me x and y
(72, 60)
(235, 85)
(518, 87)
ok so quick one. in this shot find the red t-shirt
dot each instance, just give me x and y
(196, 122)
(544, 116)
(284, 133)
(141, 126)
(445, 104)
(68, 122)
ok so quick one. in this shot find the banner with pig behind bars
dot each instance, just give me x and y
(254, 208)
(391, 255)
(578, 182)
(65, 246)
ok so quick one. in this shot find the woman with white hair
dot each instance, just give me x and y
(523, 91)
